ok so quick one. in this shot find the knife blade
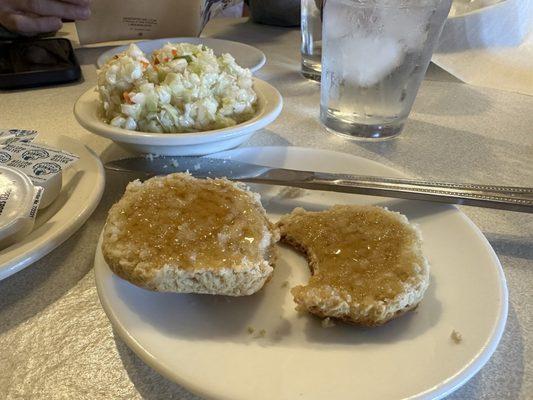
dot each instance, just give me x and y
(511, 198)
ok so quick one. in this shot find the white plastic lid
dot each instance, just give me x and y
(19, 201)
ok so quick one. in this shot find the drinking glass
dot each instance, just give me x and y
(311, 26)
(375, 55)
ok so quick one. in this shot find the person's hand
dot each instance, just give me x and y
(30, 17)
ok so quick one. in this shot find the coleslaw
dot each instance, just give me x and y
(182, 88)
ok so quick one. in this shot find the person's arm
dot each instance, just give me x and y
(31, 17)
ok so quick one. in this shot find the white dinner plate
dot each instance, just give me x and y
(202, 342)
(82, 188)
(268, 108)
(245, 55)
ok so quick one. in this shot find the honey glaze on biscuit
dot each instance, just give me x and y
(359, 252)
(193, 223)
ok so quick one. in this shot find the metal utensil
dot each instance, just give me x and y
(489, 196)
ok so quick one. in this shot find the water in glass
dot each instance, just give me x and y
(375, 56)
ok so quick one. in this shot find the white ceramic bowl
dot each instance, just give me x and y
(269, 104)
(245, 55)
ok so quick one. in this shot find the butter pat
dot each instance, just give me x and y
(43, 165)
(19, 202)
(8, 136)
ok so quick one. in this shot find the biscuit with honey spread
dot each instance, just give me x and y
(176, 233)
(366, 262)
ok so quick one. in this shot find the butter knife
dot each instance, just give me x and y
(510, 198)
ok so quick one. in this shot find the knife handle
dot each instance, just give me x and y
(418, 183)
(510, 198)
(491, 196)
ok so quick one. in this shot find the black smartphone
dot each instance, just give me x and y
(28, 63)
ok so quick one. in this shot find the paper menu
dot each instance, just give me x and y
(147, 19)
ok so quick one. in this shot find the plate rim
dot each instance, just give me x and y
(113, 50)
(86, 116)
(44, 247)
(438, 392)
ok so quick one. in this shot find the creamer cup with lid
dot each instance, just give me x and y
(19, 202)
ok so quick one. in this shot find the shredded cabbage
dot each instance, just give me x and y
(182, 88)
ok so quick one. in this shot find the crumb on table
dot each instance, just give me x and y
(250, 330)
(456, 337)
(285, 284)
(328, 323)
(261, 334)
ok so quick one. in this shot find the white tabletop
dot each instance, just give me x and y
(55, 340)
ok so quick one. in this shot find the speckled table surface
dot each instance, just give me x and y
(55, 340)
